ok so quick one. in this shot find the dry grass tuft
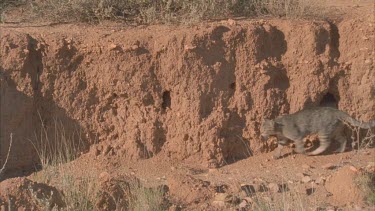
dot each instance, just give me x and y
(366, 182)
(167, 11)
(55, 145)
(7, 156)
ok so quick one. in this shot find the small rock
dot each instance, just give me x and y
(134, 47)
(368, 61)
(104, 176)
(243, 204)
(320, 181)
(273, 187)
(306, 167)
(218, 203)
(112, 46)
(353, 168)
(190, 47)
(358, 208)
(329, 166)
(248, 199)
(227, 198)
(174, 208)
(231, 22)
(213, 163)
(267, 199)
(212, 171)
(300, 175)
(330, 208)
(107, 149)
(96, 152)
(306, 179)
(220, 197)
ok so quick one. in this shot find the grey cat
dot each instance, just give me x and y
(328, 123)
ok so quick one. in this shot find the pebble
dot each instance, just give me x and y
(221, 197)
(273, 187)
(329, 166)
(353, 168)
(320, 180)
(243, 204)
(306, 167)
(368, 61)
(231, 22)
(104, 176)
(218, 203)
(306, 179)
(134, 47)
(112, 46)
(300, 175)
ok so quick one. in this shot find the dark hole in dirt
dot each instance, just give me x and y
(329, 100)
(310, 191)
(164, 189)
(233, 86)
(166, 100)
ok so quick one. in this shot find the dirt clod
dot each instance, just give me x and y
(273, 187)
(306, 179)
(329, 166)
(343, 187)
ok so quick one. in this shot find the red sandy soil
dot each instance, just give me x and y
(181, 106)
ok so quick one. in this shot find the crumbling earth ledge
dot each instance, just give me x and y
(188, 93)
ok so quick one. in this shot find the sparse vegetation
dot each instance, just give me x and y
(366, 182)
(56, 146)
(7, 156)
(166, 11)
(361, 138)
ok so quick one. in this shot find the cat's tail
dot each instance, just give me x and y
(365, 125)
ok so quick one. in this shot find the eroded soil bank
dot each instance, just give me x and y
(193, 93)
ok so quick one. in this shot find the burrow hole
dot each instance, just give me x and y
(232, 86)
(166, 100)
(329, 100)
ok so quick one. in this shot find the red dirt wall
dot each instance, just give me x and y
(196, 93)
